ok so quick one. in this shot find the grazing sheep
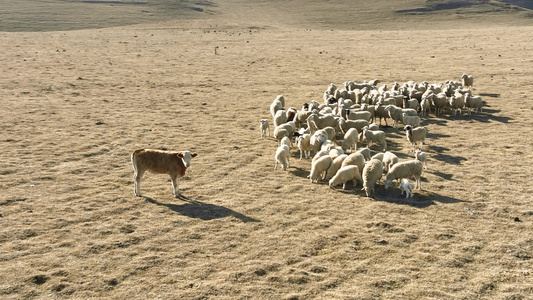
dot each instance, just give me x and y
(264, 128)
(389, 160)
(319, 167)
(350, 139)
(356, 159)
(280, 133)
(335, 166)
(275, 106)
(336, 152)
(411, 120)
(467, 81)
(344, 175)
(473, 102)
(407, 187)
(372, 173)
(174, 163)
(304, 144)
(416, 135)
(317, 139)
(405, 169)
(280, 117)
(365, 152)
(378, 156)
(376, 136)
(282, 156)
(422, 156)
(285, 141)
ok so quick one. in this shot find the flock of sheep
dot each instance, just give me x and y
(352, 115)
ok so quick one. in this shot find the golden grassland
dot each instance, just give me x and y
(78, 102)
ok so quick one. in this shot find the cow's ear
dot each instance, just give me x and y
(194, 154)
(180, 154)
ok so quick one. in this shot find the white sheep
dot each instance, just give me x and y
(280, 117)
(275, 106)
(345, 125)
(285, 141)
(350, 139)
(372, 172)
(323, 121)
(335, 152)
(282, 156)
(335, 166)
(405, 169)
(411, 120)
(407, 187)
(264, 127)
(378, 156)
(280, 133)
(317, 139)
(457, 103)
(473, 102)
(425, 105)
(344, 175)
(416, 135)
(389, 160)
(319, 167)
(422, 156)
(356, 159)
(373, 126)
(376, 136)
(440, 102)
(365, 152)
(304, 145)
(358, 115)
(467, 80)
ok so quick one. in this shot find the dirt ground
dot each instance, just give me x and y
(85, 83)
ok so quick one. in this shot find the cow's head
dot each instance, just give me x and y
(186, 157)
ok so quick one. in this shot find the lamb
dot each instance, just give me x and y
(467, 80)
(425, 105)
(421, 156)
(350, 139)
(376, 136)
(282, 156)
(405, 169)
(335, 166)
(345, 174)
(411, 120)
(473, 102)
(406, 187)
(285, 141)
(304, 144)
(416, 135)
(389, 160)
(174, 163)
(319, 167)
(280, 117)
(264, 128)
(372, 173)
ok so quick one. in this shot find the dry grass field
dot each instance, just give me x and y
(84, 83)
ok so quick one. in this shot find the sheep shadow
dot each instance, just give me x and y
(451, 159)
(203, 211)
(435, 121)
(300, 172)
(420, 199)
(443, 175)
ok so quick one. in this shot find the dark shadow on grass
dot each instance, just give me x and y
(204, 211)
(443, 175)
(435, 121)
(420, 199)
(300, 172)
(451, 159)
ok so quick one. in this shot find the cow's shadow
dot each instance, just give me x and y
(201, 210)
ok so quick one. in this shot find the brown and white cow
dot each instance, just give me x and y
(173, 163)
